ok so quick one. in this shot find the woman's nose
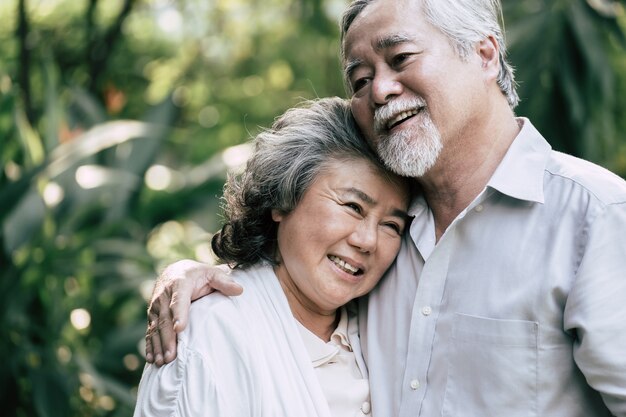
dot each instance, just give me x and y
(365, 237)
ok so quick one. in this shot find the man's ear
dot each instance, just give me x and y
(489, 53)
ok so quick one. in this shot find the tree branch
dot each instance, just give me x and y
(99, 50)
(24, 65)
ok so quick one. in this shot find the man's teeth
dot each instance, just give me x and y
(400, 117)
(344, 265)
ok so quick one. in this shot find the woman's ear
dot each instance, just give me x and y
(277, 216)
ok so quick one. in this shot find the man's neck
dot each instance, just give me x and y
(464, 169)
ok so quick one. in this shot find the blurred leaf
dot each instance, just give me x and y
(587, 39)
(607, 8)
(102, 383)
(68, 155)
(50, 394)
(141, 153)
(24, 221)
(13, 192)
(30, 140)
(52, 108)
(85, 110)
(568, 86)
(95, 140)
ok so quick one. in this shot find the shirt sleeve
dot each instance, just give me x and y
(596, 308)
(182, 388)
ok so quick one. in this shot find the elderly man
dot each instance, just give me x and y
(508, 297)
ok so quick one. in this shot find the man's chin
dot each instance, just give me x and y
(407, 161)
(405, 155)
(409, 172)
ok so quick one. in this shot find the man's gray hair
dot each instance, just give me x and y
(286, 160)
(465, 23)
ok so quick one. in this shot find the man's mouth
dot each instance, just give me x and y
(344, 266)
(401, 118)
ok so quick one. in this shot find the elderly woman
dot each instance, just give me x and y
(313, 222)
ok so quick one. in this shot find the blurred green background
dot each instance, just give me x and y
(120, 118)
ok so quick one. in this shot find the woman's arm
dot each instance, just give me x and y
(184, 387)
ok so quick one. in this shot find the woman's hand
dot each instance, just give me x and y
(178, 285)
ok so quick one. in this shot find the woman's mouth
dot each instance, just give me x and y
(345, 266)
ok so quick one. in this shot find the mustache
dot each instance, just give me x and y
(383, 114)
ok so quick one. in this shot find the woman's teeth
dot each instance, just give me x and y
(344, 265)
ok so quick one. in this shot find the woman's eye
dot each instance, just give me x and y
(395, 227)
(354, 207)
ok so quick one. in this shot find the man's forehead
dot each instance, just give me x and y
(385, 12)
(384, 24)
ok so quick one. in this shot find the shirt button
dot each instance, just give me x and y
(427, 310)
(415, 384)
(479, 208)
(366, 408)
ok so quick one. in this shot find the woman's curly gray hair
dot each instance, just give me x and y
(286, 160)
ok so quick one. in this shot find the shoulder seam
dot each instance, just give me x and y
(587, 189)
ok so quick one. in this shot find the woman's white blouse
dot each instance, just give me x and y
(341, 379)
(245, 356)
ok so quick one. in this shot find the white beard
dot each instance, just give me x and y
(412, 151)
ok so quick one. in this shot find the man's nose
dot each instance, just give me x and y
(385, 87)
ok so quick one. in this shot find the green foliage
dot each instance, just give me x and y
(72, 262)
(570, 56)
(118, 120)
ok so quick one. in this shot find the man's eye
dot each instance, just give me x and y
(358, 84)
(399, 59)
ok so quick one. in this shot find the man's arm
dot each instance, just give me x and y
(596, 308)
(178, 285)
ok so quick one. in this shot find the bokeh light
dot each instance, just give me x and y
(90, 176)
(80, 318)
(53, 194)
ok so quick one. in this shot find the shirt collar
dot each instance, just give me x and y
(520, 174)
(321, 352)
